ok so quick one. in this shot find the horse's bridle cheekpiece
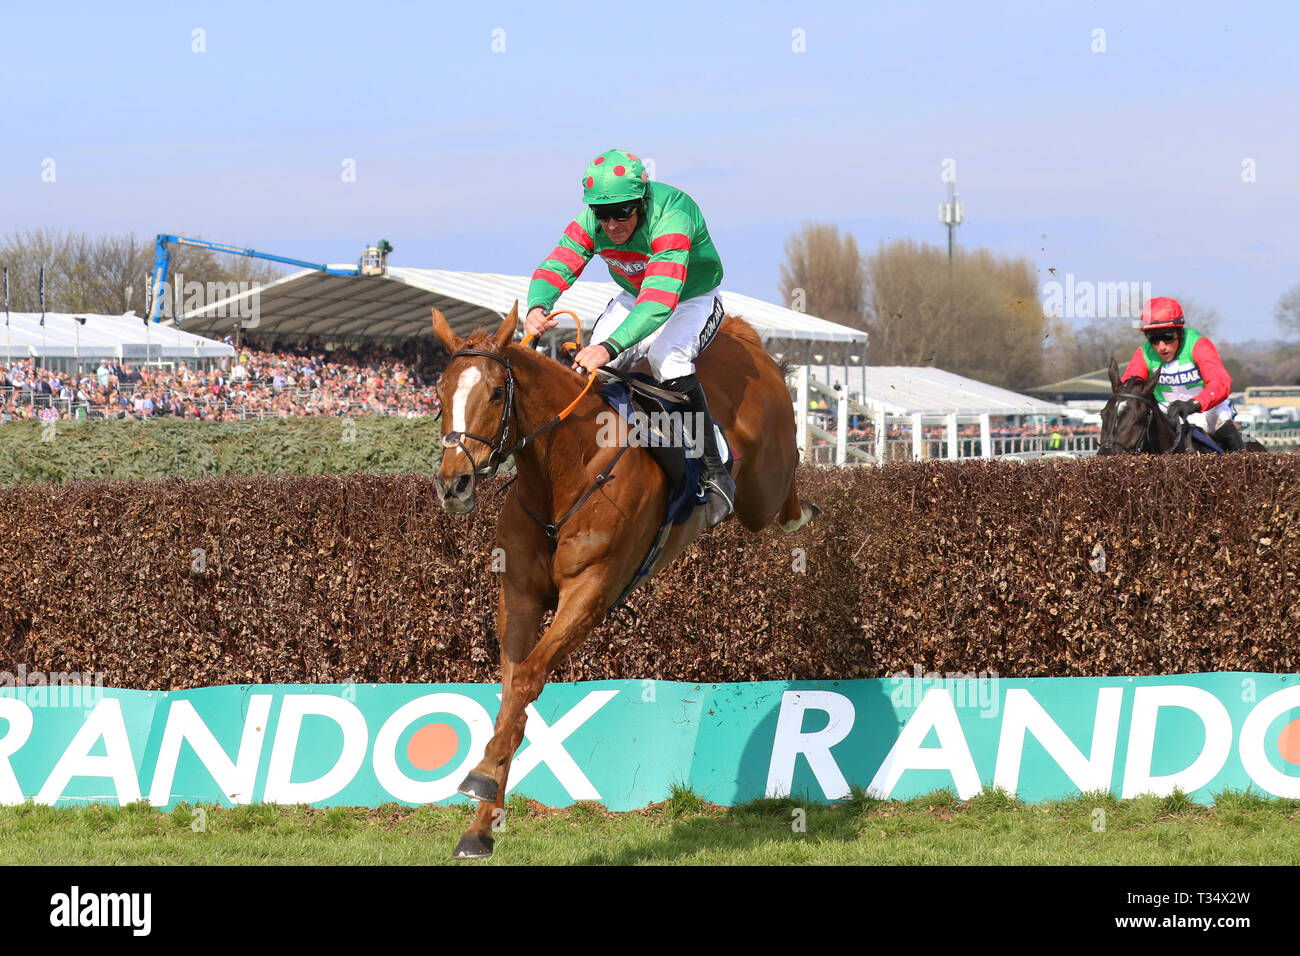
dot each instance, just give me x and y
(1108, 434)
(496, 455)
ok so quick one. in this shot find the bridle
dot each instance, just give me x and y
(499, 451)
(1143, 444)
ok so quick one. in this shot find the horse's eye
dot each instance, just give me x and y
(498, 393)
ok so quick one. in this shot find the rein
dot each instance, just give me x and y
(1145, 443)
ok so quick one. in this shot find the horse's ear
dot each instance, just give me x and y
(1114, 375)
(1149, 387)
(442, 331)
(506, 334)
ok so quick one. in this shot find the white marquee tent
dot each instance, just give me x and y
(64, 338)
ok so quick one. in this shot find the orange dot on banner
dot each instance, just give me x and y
(432, 746)
(1288, 742)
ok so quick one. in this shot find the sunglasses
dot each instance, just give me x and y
(1167, 337)
(619, 213)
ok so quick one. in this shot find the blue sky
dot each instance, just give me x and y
(1122, 165)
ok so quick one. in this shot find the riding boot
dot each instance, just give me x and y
(718, 485)
(1229, 437)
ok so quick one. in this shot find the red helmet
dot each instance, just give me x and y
(1162, 312)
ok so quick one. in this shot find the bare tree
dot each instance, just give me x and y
(92, 274)
(982, 318)
(1287, 311)
(1102, 339)
(824, 275)
(1206, 319)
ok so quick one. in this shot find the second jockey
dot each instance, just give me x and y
(1193, 381)
(656, 245)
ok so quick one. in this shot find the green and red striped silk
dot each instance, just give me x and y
(670, 257)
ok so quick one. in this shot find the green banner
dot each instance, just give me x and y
(627, 743)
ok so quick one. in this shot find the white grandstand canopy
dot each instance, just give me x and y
(395, 306)
(932, 392)
(125, 337)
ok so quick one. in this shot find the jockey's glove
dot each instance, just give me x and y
(1181, 409)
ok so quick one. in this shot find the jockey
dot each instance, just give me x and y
(1193, 381)
(654, 240)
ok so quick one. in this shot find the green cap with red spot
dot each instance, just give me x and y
(614, 176)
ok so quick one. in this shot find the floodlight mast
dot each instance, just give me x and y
(950, 214)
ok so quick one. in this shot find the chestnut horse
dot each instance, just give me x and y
(500, 398)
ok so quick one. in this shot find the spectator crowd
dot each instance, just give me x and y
(262, 380)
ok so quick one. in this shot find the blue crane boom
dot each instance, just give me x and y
(162, 261)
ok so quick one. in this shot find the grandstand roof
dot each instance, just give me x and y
(1088, 385)
(120, 336)
(909, 390)
(396, 306)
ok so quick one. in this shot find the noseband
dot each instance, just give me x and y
(499, 452)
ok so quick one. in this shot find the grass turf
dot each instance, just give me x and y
(991, 829)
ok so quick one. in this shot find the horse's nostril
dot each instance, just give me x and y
(461, 485)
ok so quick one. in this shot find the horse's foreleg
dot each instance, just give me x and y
(518, 620)
(580, 609)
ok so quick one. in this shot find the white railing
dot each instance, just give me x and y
(843, 432)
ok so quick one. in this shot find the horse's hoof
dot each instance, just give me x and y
(807, 511)
(473, 847)
(479, 786)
